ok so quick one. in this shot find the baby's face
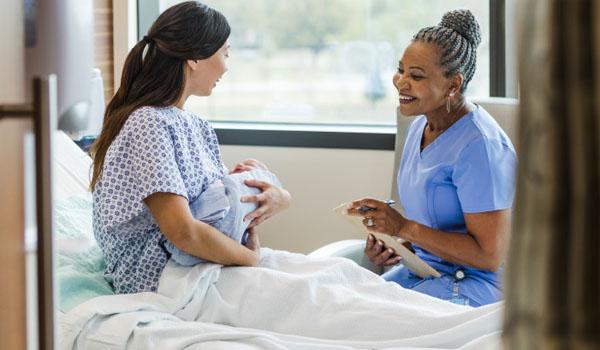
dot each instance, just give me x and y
(248, 165)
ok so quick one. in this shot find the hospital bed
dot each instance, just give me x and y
(504, 110)
(291, 301)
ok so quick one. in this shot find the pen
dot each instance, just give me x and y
(389, 202)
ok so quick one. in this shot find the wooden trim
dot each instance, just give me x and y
(12, 216)
(103, 44)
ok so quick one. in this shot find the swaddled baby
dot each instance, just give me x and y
(219, 206)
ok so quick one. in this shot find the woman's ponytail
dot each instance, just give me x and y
(131, 70)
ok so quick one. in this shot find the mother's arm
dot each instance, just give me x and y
(194, 237)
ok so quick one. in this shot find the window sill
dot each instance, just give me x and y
(375, 137)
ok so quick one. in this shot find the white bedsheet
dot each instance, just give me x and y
(289, 302)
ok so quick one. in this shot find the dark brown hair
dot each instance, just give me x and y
(153, 74)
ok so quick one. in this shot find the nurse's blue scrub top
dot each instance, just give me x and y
(469, 168)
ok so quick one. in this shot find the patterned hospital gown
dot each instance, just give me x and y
(159, 149)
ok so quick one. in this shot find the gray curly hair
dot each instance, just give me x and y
(457, 36)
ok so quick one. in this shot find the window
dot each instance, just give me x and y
(323, 62)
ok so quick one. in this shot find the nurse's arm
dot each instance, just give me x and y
(194, 237)
(483, 247)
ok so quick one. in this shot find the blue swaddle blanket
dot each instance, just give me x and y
(219, 206)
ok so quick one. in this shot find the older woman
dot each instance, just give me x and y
(457, 174)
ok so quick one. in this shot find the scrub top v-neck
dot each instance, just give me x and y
(469, 168)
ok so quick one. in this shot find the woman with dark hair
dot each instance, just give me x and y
(457, 174)
(153, 159)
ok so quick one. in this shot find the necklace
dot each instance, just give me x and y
(426, 141)
(440, 131)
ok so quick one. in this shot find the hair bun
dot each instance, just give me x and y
(463, 22)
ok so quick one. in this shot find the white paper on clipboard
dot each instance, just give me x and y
(415, 264)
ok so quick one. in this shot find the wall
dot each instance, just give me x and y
(319, 180)
(12, 69)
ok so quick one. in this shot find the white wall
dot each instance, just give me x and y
(12, 69)
(319, 180)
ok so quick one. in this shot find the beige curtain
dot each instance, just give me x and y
(553, 275)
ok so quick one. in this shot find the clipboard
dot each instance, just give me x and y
(415, 264)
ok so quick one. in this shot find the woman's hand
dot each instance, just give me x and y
(379, 217)
(247, 165)
(271, 201)
(378, 254)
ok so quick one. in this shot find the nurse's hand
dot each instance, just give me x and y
(380, 217)
(378, 254)
(271, 201)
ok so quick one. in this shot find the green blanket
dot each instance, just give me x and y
(80, 262)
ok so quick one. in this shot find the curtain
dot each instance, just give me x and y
(552, 286)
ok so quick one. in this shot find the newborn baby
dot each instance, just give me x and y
(219, 206)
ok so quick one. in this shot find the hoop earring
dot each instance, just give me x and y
(448, 101)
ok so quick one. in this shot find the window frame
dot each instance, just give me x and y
(368, 137)
(497, 48)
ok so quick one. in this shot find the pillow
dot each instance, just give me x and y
(72, 168)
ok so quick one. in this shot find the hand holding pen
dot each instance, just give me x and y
(378, 216)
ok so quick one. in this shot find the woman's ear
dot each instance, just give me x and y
(193, 64)
(456, 83)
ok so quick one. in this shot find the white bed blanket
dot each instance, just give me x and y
(290, 301)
